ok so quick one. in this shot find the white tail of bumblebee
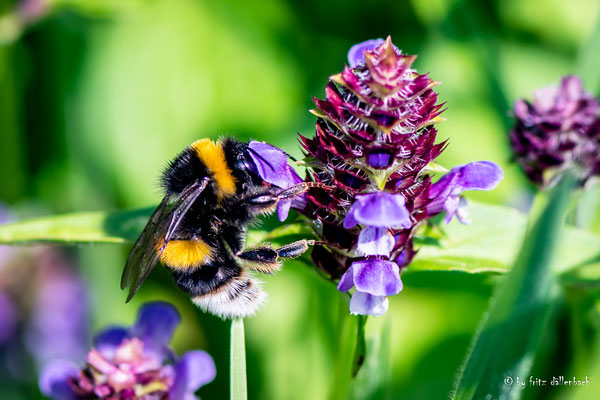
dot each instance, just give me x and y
(239, 297)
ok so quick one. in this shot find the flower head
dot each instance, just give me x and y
(374, 146)
(132, 363)
(559, 129)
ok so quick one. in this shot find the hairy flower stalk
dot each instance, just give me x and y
(375, 147)
(558, 130)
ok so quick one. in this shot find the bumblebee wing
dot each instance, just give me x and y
(160, 228)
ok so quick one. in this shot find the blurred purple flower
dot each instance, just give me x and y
(43, 310)
(559, 129)
(50, 334)
(273, 167)
(8, 318)
(445, 193)
(132, 363)
(33, 10)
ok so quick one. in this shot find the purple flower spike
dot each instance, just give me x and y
(478, 175)
(375, 147)
(559, 129)
(272, 166)
(367, 304)
(356, 55)
(380, 209)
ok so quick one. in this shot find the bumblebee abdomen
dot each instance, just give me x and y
(222, 288)
(186, 254)
(239, 297)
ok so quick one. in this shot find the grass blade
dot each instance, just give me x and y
(508, 337)
(237, 377)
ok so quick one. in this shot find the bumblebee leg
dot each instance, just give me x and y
(262, 259)
(294, 249)
(300, 188)
(266, 202)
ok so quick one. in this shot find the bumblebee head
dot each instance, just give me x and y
(241, 163)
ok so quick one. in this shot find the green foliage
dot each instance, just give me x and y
(97, 96)
(487, 245)
(88, 227)
(508, 337)
(490, 242)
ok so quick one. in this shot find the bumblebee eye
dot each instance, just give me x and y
(243, 164)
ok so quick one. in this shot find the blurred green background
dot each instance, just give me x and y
(96, 96)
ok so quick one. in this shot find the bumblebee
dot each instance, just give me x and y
(212, 194)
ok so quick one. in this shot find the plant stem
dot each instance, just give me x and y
(347, 331)
(372, 374)
(237, 383)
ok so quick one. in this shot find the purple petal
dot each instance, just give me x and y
(155, 325)
(349, 220)
(195, 369)
(375, 242)
(377, 277)
(451, 205)
(380, 209)
(283, 209)
(346, 281)
(443, 188)
(367, 304)
(462, 212)
(107, 341)
(272, 165)
(53, 381)
(480, 175)
(356, 54)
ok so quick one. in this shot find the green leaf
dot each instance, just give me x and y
(113, 227)
(507, 339)
(86, 227)
(237, 378)
(487, 245)
(491, 241)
